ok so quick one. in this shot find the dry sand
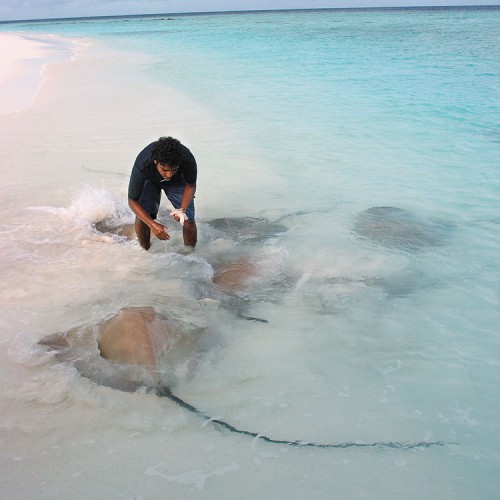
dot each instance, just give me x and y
(23, 59)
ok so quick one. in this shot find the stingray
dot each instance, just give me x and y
(233, 279)
(129, 348)
(246, 229)
(125, 351)
(398, 284)
(398, 228)
(125, 230)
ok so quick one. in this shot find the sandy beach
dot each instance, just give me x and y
(23, 64)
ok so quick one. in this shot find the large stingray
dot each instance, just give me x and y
(127, 351)
(132, 345)
(398, 228)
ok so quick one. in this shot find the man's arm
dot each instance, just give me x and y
(159, 230)
(187, 198)
(188, 195)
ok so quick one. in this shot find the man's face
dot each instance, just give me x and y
(166, 171)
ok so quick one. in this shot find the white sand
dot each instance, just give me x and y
(23, 60)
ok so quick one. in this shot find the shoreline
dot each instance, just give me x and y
(85, 106)
(23, 66)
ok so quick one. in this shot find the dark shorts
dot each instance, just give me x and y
(151, 196)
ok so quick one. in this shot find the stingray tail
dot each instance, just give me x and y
(164, 391)
(252, 318)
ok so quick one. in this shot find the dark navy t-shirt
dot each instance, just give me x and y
(144, 169)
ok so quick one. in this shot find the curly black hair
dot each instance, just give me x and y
(167, 151)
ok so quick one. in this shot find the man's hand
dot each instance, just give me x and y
(160, 231)
(179, 215)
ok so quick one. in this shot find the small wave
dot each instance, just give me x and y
(92, 205)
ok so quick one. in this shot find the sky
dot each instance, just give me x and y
(44, 9)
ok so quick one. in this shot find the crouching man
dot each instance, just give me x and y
(165, 165)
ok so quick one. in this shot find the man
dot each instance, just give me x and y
(165, 165)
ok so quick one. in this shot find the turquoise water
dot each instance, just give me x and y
(373, 335)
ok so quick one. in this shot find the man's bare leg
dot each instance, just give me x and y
(143, 233)
(190, 233)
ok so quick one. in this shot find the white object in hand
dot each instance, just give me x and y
(179, 212)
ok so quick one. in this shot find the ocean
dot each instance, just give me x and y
(354, 155)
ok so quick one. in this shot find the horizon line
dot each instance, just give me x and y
(215, 12)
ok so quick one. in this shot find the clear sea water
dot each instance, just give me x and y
(302, 118)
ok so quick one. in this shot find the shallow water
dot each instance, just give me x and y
(304, 120)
